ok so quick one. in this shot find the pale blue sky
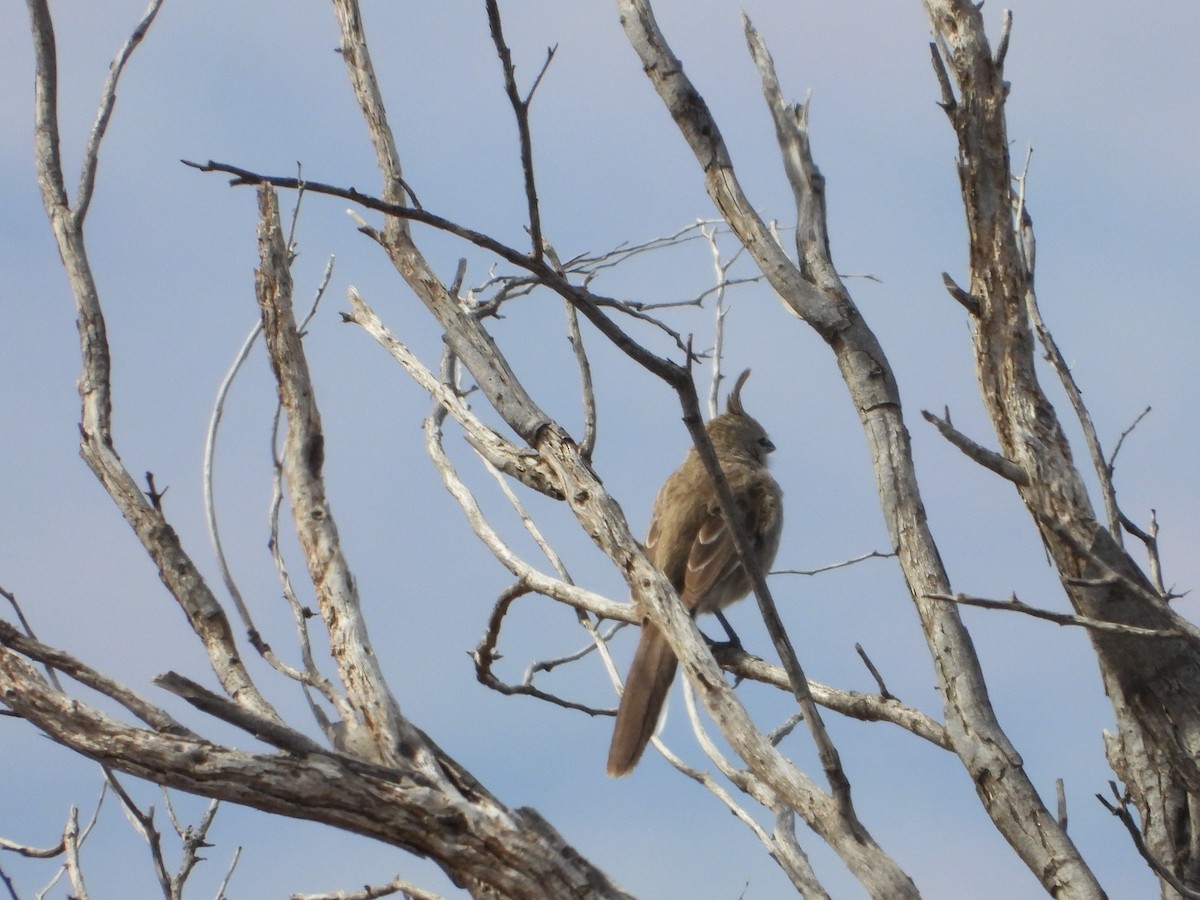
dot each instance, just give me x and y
(1105, 94)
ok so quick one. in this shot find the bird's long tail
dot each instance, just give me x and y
(646, 690)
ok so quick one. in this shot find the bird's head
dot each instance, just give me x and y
(736, 434)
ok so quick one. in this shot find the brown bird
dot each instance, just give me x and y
(689, 541)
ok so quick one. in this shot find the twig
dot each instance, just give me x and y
(588, 445)
(1112, 460)
(153, 494)
(1022, 223)
(291, 237)
(873, 554)
(587, 303)
(549, 665)
(71, 841)
(1061, 793)
(969, 302)
(192, 839)
(720, 311)
(210, 505)
(484, 655)
(371, 892)
(1150, 539)
(1059, 364)
(51, 675)
(778, 733)
(883, 691)
(1005, 34)
(224, 885)
(62, 870)
(948, 103)
(521, 112)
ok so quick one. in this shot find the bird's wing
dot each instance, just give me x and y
(714, 577)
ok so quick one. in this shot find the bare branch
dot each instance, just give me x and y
(51, 674)
(830, 759)
(808, 190)
(108, 97)
(526, 467)
(989, 459)
(509, 850)
(156, 718)
(720, 310)
(310, 675)
(538, 581)
(377, 728)
(1091, 438)
(98, 448)
(478, 353)
(143, 824)
(1015, 605)
(793, 861)
(549, 665)
(301, 615)
(264, 729)
(521, 112)
(32, 852)
(1148, 537)
(853, 704)
(484, 655)
(210, 506)
(81, 837)
(194, 840)
(1121, 810)
(353, 49)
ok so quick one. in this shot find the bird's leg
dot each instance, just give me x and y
(731, 641)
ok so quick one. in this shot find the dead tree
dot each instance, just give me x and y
(376, 773)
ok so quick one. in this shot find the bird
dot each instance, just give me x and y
(690, 542)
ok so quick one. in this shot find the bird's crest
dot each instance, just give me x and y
(734, 403)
